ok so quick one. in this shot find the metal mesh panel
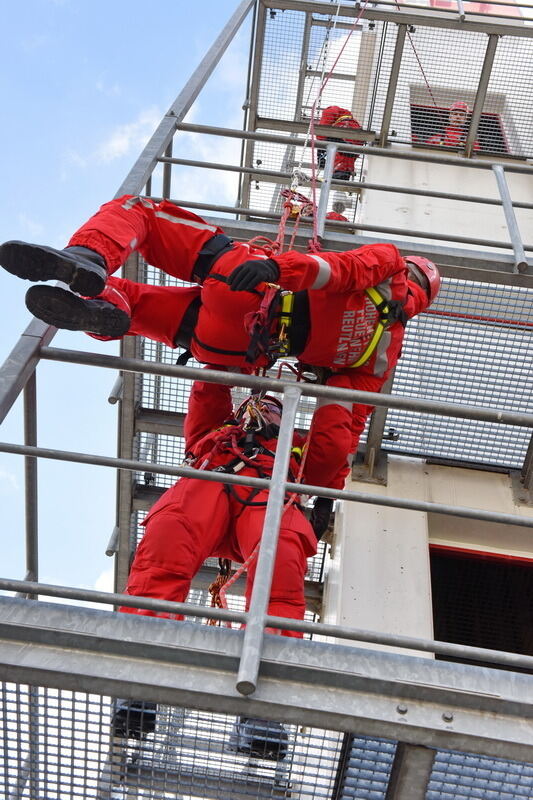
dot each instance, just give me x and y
(57, 744)
(460, 776)
(455, 776)
(474, 347)
(366, 768)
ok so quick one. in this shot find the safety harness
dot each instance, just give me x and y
(246, 449)
(390, 311)
(212, 250)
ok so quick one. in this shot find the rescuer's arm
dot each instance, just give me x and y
(351, 271)
(209, 407)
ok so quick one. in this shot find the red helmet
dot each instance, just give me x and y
(429, 270)
(459, 105)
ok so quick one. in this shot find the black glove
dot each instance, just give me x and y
(321, 158)
(320, 515)
(248, 274)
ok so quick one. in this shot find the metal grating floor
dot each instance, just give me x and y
(61, 740)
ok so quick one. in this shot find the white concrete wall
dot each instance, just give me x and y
(435, 215)
(379, 577)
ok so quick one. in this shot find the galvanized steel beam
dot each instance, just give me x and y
(410, 773)
(416, 700)
(412, 15)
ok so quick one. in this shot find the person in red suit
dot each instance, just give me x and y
(343, 312)
(197, 519)
(338, 117)
(454, 134)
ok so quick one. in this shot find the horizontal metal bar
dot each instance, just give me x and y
(187, 780)
(295, 126)
(168, 423)
(510, 660)
(297, 488)
(448, 705)
(486, 266)
(439, 237)
(416, 15)
(386, 152)
(380, 187)
(522, 419)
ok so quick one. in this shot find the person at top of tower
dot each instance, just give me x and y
(342, 312)
(455, 132)
(197, 519)
(338, 117)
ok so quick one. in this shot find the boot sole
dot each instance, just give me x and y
(65, 310)
(34, 262)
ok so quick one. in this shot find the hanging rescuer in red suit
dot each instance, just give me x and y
(197, 519)
(338, 117)
(344, 312)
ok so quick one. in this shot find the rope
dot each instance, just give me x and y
(419, 61)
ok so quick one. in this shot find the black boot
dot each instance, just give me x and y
(82, 269)
(321, 515)
(64, 309)
(259, 738)
(341, 175)
(133, 719)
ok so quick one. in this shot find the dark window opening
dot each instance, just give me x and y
(430, 127)
(482, 602)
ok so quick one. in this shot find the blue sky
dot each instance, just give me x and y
(83, 85)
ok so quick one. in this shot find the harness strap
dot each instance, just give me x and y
(390, 311)
(215, 247)
(285, 322)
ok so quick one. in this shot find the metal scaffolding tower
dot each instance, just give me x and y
(365, 719)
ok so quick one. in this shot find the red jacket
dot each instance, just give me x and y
(341, 118)
(453, 136)
(342, 318)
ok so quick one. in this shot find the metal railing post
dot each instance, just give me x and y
(253, 635)
(512, 224)
(331, 152)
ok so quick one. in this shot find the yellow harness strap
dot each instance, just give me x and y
(285, 319)
(380, 328)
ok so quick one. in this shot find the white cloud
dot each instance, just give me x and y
(8, 482)
(36, 41)
(29, 225)
(109, 90)
(105, 581)
(128, 138)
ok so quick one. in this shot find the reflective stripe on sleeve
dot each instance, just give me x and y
(324, 272)
(191, 223)
(133, 201)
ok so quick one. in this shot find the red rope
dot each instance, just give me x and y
(419, 62)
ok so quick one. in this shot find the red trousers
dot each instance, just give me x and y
(197, 519)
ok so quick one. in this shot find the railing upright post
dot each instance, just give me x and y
(253, 635)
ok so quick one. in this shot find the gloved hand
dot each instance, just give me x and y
(320, 515)
(248, 274)
(321, 158)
